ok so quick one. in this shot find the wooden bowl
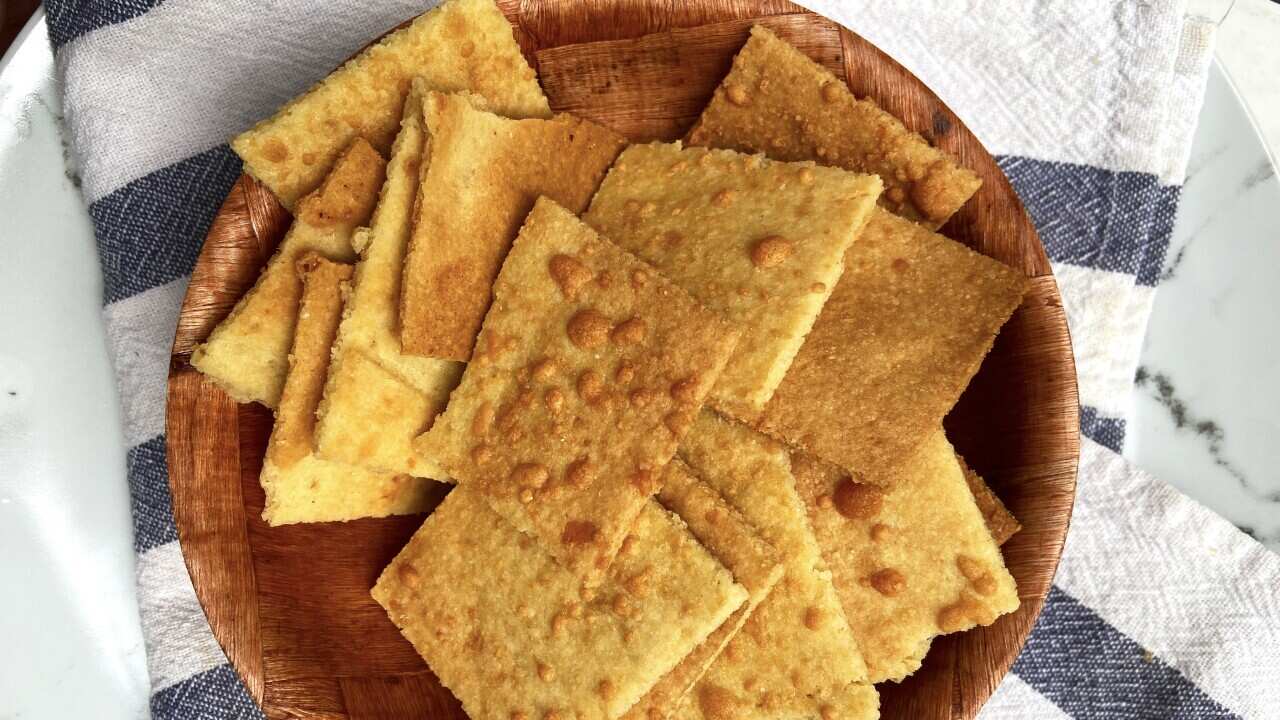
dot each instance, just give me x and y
(291, 605)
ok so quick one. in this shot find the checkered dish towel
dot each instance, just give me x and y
(1161, 609)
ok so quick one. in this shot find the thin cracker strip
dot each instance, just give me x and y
(897, 342)
(460, 45)
(484, 175)
(247, 354)
(1000, 522)
(732, 540)
(777, 101)
(760, 242)
(378, 399)
(587, 372)
(301, 487)
(911, 562)
(856, 701)
(509, 631)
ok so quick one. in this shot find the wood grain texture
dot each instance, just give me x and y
(291, 605)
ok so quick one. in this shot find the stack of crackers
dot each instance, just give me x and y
(690, 394)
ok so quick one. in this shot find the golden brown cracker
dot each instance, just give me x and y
(459, 45)
(587, 372)
(760, 242)
(778, 101)
(910, 562)
(1000, 522)
(485, 172)
(897, 342)
(247, 354)
(858, 701)
(512, 632)
(301, 487)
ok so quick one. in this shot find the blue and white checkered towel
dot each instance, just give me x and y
(1160, 609)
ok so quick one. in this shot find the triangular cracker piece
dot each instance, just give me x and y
(895, 345)
(738, 546)
(588, 370)
(911, 562)
(759, 241)
(797, 643)
(301, 487)
(999, 521)
(484, 174)
(779, 102)
(247, 354)
(460, 45)
(509, 631)
(379, 399)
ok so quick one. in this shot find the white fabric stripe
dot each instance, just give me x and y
(1072, 82)
(1131, 329)
(187, 76)
(140, 334)
(1016, 700)
(1097, 303)
(179, 642)
(1178, 579)
(1195, 52)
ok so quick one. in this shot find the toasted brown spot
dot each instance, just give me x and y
(771, 252)
(554, 715)
(309, 158)
(626, 373)
(274, 150)
(826, 712)
(677, 422)
(554, 399)
(519, 715)
(579, 473)
(629, 544)
(526, 496)
(672, 238)
(896, 194)
(530, 475)
(813, 617)
(408, 575)
(621, 606)
(806, 175)
(570, 274)
(900, 265)
(483, 419)
(737, 95)
(639, 278)
(879, 532)
(957, 616)
(606, 690)
(724, 198)
(544, 370)
(817, 288)
(588, 329)
(685, 391)
(629, 332)
(590, 386)
(579, 532)
(639, 583)
(642, 480)
(971, 569)
(546, 672)
(604, 279)
(858, 501)
(830, 91)
(824, 501)
(717, 703)
(888, 582)
(985, 585)
(481, 454)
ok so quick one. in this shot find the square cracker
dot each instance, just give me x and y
(587, 372)
(777, 101)
(484, 174)
(378, 399)
(999, 521)
(732, 540)
(300, 486)
(798, 641)
(513, 634)
(758, 241)
(910, 562)
(460, 45)
(247, 354)
(897, 342)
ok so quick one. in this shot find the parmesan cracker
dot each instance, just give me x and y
(778, 101)
(911, 562)
(247, 354)
(460, 45)
(512, 632)
(999, 521)
(857, 701)
(760, 242)
(301, 487)
(798, 641)
(588, 370)
(378, 399)
(484, 175)
(895, 345)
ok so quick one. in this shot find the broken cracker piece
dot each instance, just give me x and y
(377, 398)
(299, 486)
(247, 354)
(1000, 522)
(460, 45)
(798, 641)
(581, 386)
(760, 242)
(895, 345)
(778, 101)
(484, 174)
(509, 631)
(910, 562)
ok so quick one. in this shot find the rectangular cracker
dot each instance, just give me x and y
(378, 399)
(778, 101)
(300, 486)
(758, 241)
(999, 521)
(247, 354)
(798, 641)
(897, 342)
(910, 562)
(727, 535)
(588, 370)
(513, 633)
(484, 174)
(460, 45)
